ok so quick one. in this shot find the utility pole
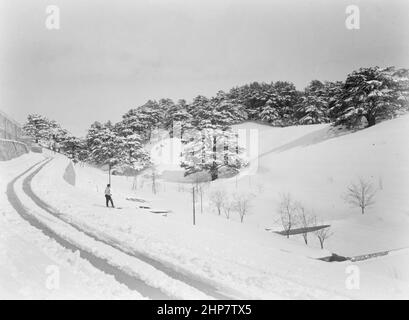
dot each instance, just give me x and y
(194, 207)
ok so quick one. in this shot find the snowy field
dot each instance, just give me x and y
(241, 260)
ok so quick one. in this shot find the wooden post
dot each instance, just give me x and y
(109, 173)
(194, 207)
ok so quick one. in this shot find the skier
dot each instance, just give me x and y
(108, 195)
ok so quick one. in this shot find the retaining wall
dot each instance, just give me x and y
(10, 149)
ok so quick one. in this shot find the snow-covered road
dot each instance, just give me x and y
(75, 237)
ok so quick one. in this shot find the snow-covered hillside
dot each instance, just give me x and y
(316, 164)
(220, 256)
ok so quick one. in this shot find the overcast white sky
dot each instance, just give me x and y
(110, 56)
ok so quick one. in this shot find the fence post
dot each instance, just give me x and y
(194, 206)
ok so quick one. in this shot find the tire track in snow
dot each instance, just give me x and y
(189, 280)
(99, 263)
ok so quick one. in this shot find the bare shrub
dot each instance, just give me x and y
(305, 220)
(323, 233)
(288, 213)
(228, 206)
(361, 194)
(217, 198)
(241, 205)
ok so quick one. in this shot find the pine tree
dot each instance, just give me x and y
(134, 122)
(270, 114)
(313, 105)
(200, 112)
(280, 106)
(73, 148)
(134, 155)
(333, 93)
(372, 93)
(285, 98)
(144, 119)
(210, 150)
(253, 97)
(38, 127)
(177, 118)
(57, 133)
(227, 110)
(105, 146)
(165, 105)
(211, 146)
(152, 115)
(219, 112)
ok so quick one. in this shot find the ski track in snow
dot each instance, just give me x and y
(102, 264)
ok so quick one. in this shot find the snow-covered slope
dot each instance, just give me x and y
(313, 163)
(316, 164)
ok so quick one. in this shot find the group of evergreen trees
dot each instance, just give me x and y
(373, 94)
(49, 133)
(104, 144)
(204, 124)
(40, 128)
(115, 145)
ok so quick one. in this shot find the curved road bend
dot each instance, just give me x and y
(189, 279)
(168, 270)
(101, 264)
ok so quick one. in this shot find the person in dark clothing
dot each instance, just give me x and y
(108, 196)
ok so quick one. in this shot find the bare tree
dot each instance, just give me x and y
(361, 194)
(288, 213)
(135, 182)
(153, 177)
(305, 220)
(227, 207)
(241, 204)
(217, 198)
(323, 234)
(201, 185)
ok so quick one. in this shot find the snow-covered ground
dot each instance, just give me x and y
(314, 164)
(32, 266)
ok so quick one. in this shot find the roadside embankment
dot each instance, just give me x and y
(10, 149)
